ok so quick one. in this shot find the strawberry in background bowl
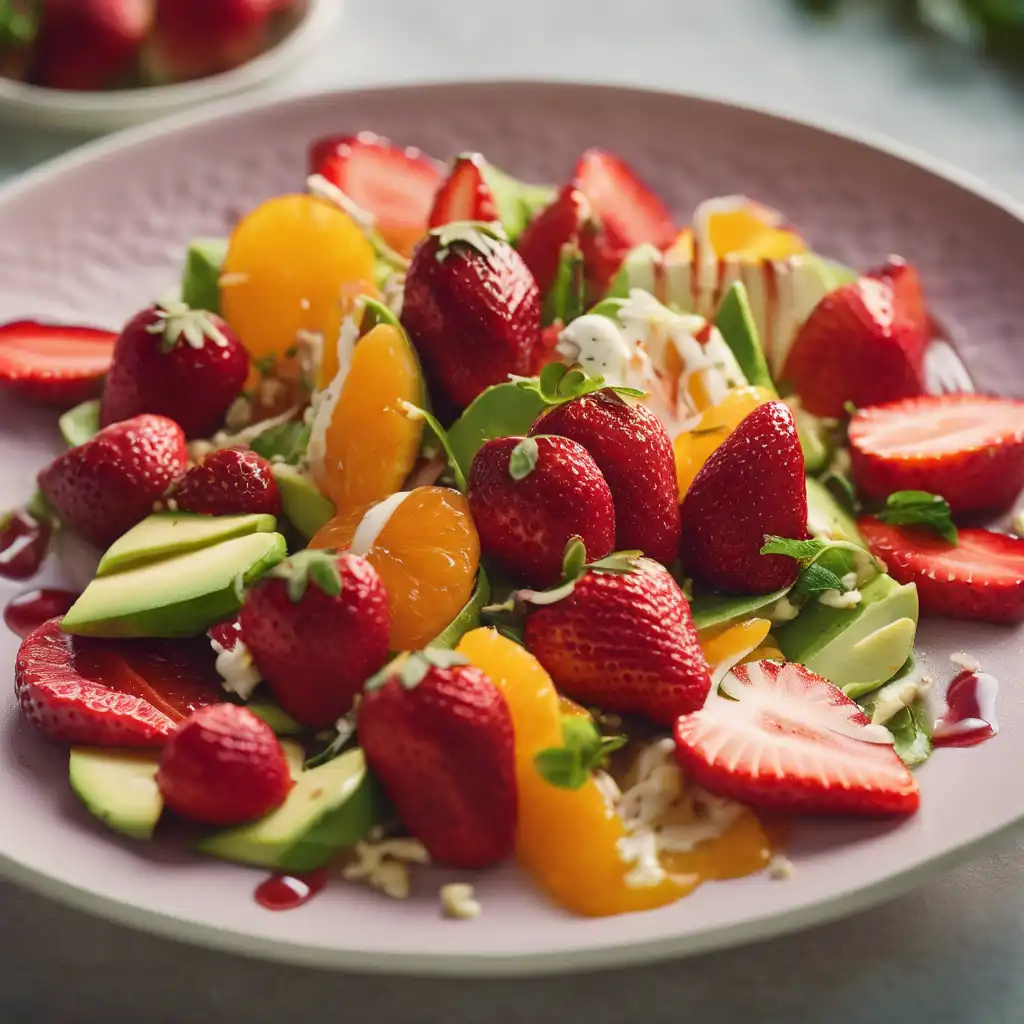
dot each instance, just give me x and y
(96, 65)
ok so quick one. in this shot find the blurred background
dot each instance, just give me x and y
(945, 76)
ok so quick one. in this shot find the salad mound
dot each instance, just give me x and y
(448, 518)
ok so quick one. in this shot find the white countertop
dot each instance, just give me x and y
(949, 952)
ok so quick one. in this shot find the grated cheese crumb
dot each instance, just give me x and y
(384, 865)
(780, 867)
(459, 902)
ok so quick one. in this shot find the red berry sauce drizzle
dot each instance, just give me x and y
(286, 892)
(31, 609)
(970, 714)
(24, 541)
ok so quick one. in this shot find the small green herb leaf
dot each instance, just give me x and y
(816, 579)
(345, 733)
(919, 508)
(584, 750)
(841, 488)
(309, 566)
(415, 412)
(523, 460)
(284, 442)
(803, 551)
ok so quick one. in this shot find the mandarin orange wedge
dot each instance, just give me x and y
(424, 547)
(286, 263)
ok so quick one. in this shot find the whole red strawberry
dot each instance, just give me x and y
(178, 362)
(981, 577)
(752, 485)
(317, 628)
(195, 38)
(559, 224)
(623, 640)
(863, 343)
(102, 488)
(231, 481)
(90, 44)
(437, 733)
(111, 693)
(968, 448)
(472, 310)
(223, 766)
(634, 453)
(530, 496)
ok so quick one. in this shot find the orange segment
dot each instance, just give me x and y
(694, 447)
(285, 264)
(729, 642)
(370, 445)
(427, 554)
(750, 232)
(349, 304)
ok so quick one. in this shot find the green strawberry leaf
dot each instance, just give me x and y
(486, 238)
(376, 313)
(344, 735)
(523, 460)
(584, 750)
(306, 567)
(919, 508)
(176, 322)
(503, 410)
(558, 383)
(574, 559)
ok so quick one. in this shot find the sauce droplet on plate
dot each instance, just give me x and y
(970, 715)
(286, 892)
(29, 610)
(24, 541)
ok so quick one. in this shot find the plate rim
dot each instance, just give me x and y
(574, 958)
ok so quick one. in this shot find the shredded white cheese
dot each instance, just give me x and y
(384, 865)
(459, 902)
(236, 668)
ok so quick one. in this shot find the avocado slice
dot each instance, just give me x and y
(80, 424)
(826, 516)
(278, 719)
(303, 505)
(330, 807)
(180, 596)
(200, 283)
(118, 787)
(735, 320)
(856, 648)
(174, 533)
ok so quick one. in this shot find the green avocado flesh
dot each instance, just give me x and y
(179, 596)
(80, 424)
(330, 807)
(175, 533)
(735, 320)
(303, 505)
(856, 648)
(200, 283)
(279, 720)
(825, 516)
(118, 787)
(518, 202)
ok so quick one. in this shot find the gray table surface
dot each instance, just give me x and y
(951, 951)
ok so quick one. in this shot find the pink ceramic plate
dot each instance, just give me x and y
(95, 235)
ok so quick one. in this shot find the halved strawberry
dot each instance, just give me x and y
(559, 224)
(465, 194)
(968, 448)
(863, 343)
(790, 740)
(126, 693)
(981, 578)
(630, 213)
(52, 363)
(396, 185)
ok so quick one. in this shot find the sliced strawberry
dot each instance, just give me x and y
(111, 693)
(981, 578)
(62, 365)
(863, 343)
(630, 213)
(555, 226)
(465, 195)
(968, 448)
(790, 740)
(396, 185)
